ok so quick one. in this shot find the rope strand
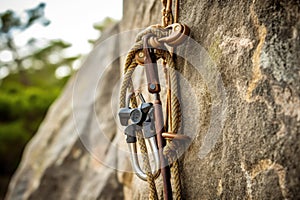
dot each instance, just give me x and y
(174, 125)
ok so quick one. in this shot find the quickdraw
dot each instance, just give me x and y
(146, 121)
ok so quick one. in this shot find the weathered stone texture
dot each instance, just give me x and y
(255, 47)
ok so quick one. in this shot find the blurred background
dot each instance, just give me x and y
(42, 43)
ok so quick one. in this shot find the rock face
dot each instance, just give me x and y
(240, 96)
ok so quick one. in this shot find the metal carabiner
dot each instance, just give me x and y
(135, 161)
(179, 33)
(141, 119)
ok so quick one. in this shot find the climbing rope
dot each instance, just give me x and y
(174, 108)
(150, 46)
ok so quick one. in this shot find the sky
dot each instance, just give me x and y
(71, 21)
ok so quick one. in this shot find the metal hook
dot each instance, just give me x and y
(142, 119)
(135, 161)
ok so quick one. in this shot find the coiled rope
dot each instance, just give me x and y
(171, 146)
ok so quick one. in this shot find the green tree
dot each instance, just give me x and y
(11, 23)
(103, 25)
(28, 85)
